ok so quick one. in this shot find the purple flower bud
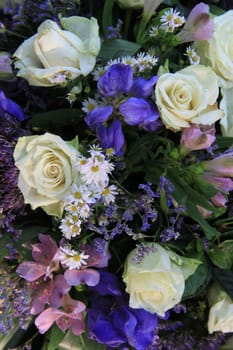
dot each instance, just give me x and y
(98, 116)
(194, 138)
(111, 137)
(117, 78)
(138, 111)
(199, 25)
(143, 87)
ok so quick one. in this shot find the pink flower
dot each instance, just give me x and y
(223, 184)
(221, 166)
(198, 26)
(48, 292)
(219, 200)
(70, 317)
(194, 138)
(45, 263)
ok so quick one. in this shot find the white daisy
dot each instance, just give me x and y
(95, 170)
(89, 104)
(71, 258)
(172, 19)
(70, 226)
(192, 55)
(109, 193)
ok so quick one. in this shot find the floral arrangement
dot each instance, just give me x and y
(116, 134)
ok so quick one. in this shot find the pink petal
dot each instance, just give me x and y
(59, 288)
(45, 320)
(87, 276)
(44, 252)
(72, 307)
(40, 295)
(198, 10)
(78, 326)
(30, 270)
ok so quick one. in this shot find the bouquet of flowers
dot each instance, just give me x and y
(116, 205)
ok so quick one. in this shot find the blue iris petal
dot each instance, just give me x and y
(143, 87)
(111, 137)
(10, 107)
(138, 111)
(117, 78)
(98, 116)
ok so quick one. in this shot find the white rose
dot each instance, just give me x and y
(47, 170)
(157, 282)
(53, 56)
(188, 97)
(226, 105)
(217, 52)
(221, 311)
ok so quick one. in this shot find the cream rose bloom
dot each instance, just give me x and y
(157, 282)
(218, 51)
(188, 97)
(53, 56)
(221, 311)
(47, 170)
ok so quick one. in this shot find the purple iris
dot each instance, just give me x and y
(118, 78)
(10, 107)
(98, 116)
(112, 322)
(135, 110)
(112, 136)
(138, 111)
(142, 87)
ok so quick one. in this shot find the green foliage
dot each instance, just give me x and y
(111, 49)
(73, 342)
(195, 283)
(54, 337)
(222, 255)
(224, 278)
(107, 16)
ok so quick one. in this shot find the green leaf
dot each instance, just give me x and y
(55, 336)
(73, 342)
(215, 10)
(190, 198)
(222, 255)
(224, 141)
(210, 232)
(205, 187)
(118, 48)
(56, 119)
(224, 278)
(107, 16)
(197, 281)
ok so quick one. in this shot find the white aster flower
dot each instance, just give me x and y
(70, 226)
(81, 192)
(145, 61)
(153, 31)
(98, 72)
(129, 60)
(89, 104)
(192, 55)
(109, 194)
(171, 20)
(96, 171)
(112, 61)
(71, 258)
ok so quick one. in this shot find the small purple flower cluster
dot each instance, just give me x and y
(126, 100)
(15, 301)
(11, 199)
